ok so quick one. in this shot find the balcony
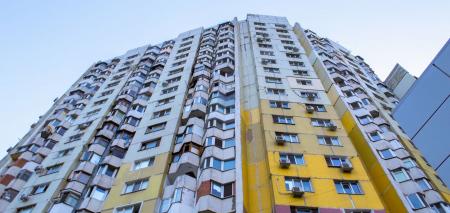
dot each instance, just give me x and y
(44, 151)
(107, 133)
(121, 108)
(121, 143)
(195, 110)
(96, 148)
(128, 127)
(188, 163)
(75, 186)
(17, 184)
(432, 196)
(126, 97)
(112, 160)
(114, 119)
(60, 207)
(416, 173)
(91, 205)
(86, 167)
(103, 181)
(210, 203)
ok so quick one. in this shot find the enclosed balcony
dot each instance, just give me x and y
(184, 163)
(103, 181)
(75, 186)
(86, 167)
(91, 205)
(209, 203)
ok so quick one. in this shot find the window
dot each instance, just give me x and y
(387, 153)
(300, 72)
(91, 157)
(335, 161)
(169, 90)
(161, 113)
(375, 136)
(150, 144)
(409, 163)
(93, 112)
(288, 137)
(26, 209)
(273, 91)
(222, 191)
(108, 170)
(287, 42)
(273, 80)
(328, 140)
(140, 164)
(53, 169)
(259, 24)
(100, 102)
(75, 137)
(296, 159)
(269, 53)
(304, 184)
(98, 193)
(165, 101)
(179, 63)
(366, 101)
(304, 82)
(366, 119)
(416, 201)
(279, 104)
(347, 187)
(138, 108)
(173, 72)
(135, 186)
(312, 95)
(265, 45)
(280, 119)
(268, 61)
(400, 175)
(271, 69)
(70, 199)
(221, 165)
(424, 184)
(440, 207)
(320, 122)
(155, 128)
(296, 63)
(41, 188)
(317, 107)
(134, 208)
(64, 152)
(113, 84)
(173, 80)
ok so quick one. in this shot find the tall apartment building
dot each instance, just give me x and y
(245, 116)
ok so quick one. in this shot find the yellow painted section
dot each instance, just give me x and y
(156, 175)
(264, 179)
(379, 179)
(256, 178)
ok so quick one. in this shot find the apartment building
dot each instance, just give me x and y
(250, 115)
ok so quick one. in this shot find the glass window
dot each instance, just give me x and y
(140, 164)
(424, 184)
(99, 193)
(400, 175)
(328, 140)
(416, 200)
(303, 184)
(409, 163)
(136, 186)
(347, 187)
(386, 153)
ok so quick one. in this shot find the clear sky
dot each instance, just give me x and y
(46, 45)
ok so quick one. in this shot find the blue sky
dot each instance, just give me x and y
(46, 45)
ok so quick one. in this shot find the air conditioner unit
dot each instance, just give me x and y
(295, 49)
(46, 132)
(164, 84)
(310, 109)
(24, 197)
(332, 127)
(346, 167)
(259, 39)
(284, 163)
(280, 140)
(264, 62)
(311, 96)
(297, 192)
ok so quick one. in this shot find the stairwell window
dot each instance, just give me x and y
(150, 144)
(387, 154)
(348, 187)
(304, 184)
(144, 163)
(281, 119)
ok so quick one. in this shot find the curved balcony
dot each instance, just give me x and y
(121, 143)
(209, 203)
(188, 163)
(126, 97)
(217, 175)
(134, 113)
(86, 167)
(44, 151)
(75, 186)
(114, 119)
(121, 108)
(223, 154)
(195, 110)
(128, 127)
(220, 116)
(13, 171)
(103, 181)
(60, 207)
(409, 187)
(16, 184)
(225, 79)
(91, 205)
(112, 160)
(188, 138)
(107, 133)
(96, 148)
